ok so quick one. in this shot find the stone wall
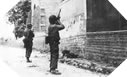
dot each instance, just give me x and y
(104, 47)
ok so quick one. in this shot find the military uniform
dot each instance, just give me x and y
(28, 40)
(53, 34)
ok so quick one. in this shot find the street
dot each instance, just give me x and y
(14, 58)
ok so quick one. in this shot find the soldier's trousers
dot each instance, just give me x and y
(28, 52)
(54, 55)
(28, 49)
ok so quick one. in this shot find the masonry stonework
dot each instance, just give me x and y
(106, 47)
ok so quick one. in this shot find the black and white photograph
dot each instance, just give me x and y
(61, 38)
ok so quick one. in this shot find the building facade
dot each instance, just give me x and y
(94, 29)
(73, 16)
(104, 38)
(103, 16)
(41, 10)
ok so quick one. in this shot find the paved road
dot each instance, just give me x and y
(14, 58)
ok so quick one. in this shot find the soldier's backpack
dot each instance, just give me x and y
(47, 39)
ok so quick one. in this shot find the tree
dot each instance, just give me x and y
(18, 16)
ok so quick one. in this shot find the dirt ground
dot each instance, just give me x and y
(14, 58)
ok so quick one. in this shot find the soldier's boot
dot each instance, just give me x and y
(56, 72)
(28, 60)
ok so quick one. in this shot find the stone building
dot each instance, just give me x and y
(95, 30)
(81, 16)
(73, 16)
(41, 10)
(103, 16)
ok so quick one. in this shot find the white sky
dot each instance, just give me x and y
(5, 6)
(6, 31)
(121, 6)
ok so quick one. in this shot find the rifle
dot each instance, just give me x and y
(58, 18)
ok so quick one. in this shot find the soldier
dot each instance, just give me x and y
(53, 34)
(28, 40)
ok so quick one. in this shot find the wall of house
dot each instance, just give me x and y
(37, 5)
(29, 17)
(102, 16)
(103, 47)
(73, 17)
(36, 18)
(105, 39)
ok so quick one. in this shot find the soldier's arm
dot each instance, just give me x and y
(60, 26)
(33, 34)
(26, 34)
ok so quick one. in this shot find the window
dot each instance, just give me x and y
(43, 11)
(43, 19)
(34, 6)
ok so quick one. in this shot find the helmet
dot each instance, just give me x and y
(29, 26)
(52, 19)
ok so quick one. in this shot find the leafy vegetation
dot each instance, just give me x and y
(18, 16)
